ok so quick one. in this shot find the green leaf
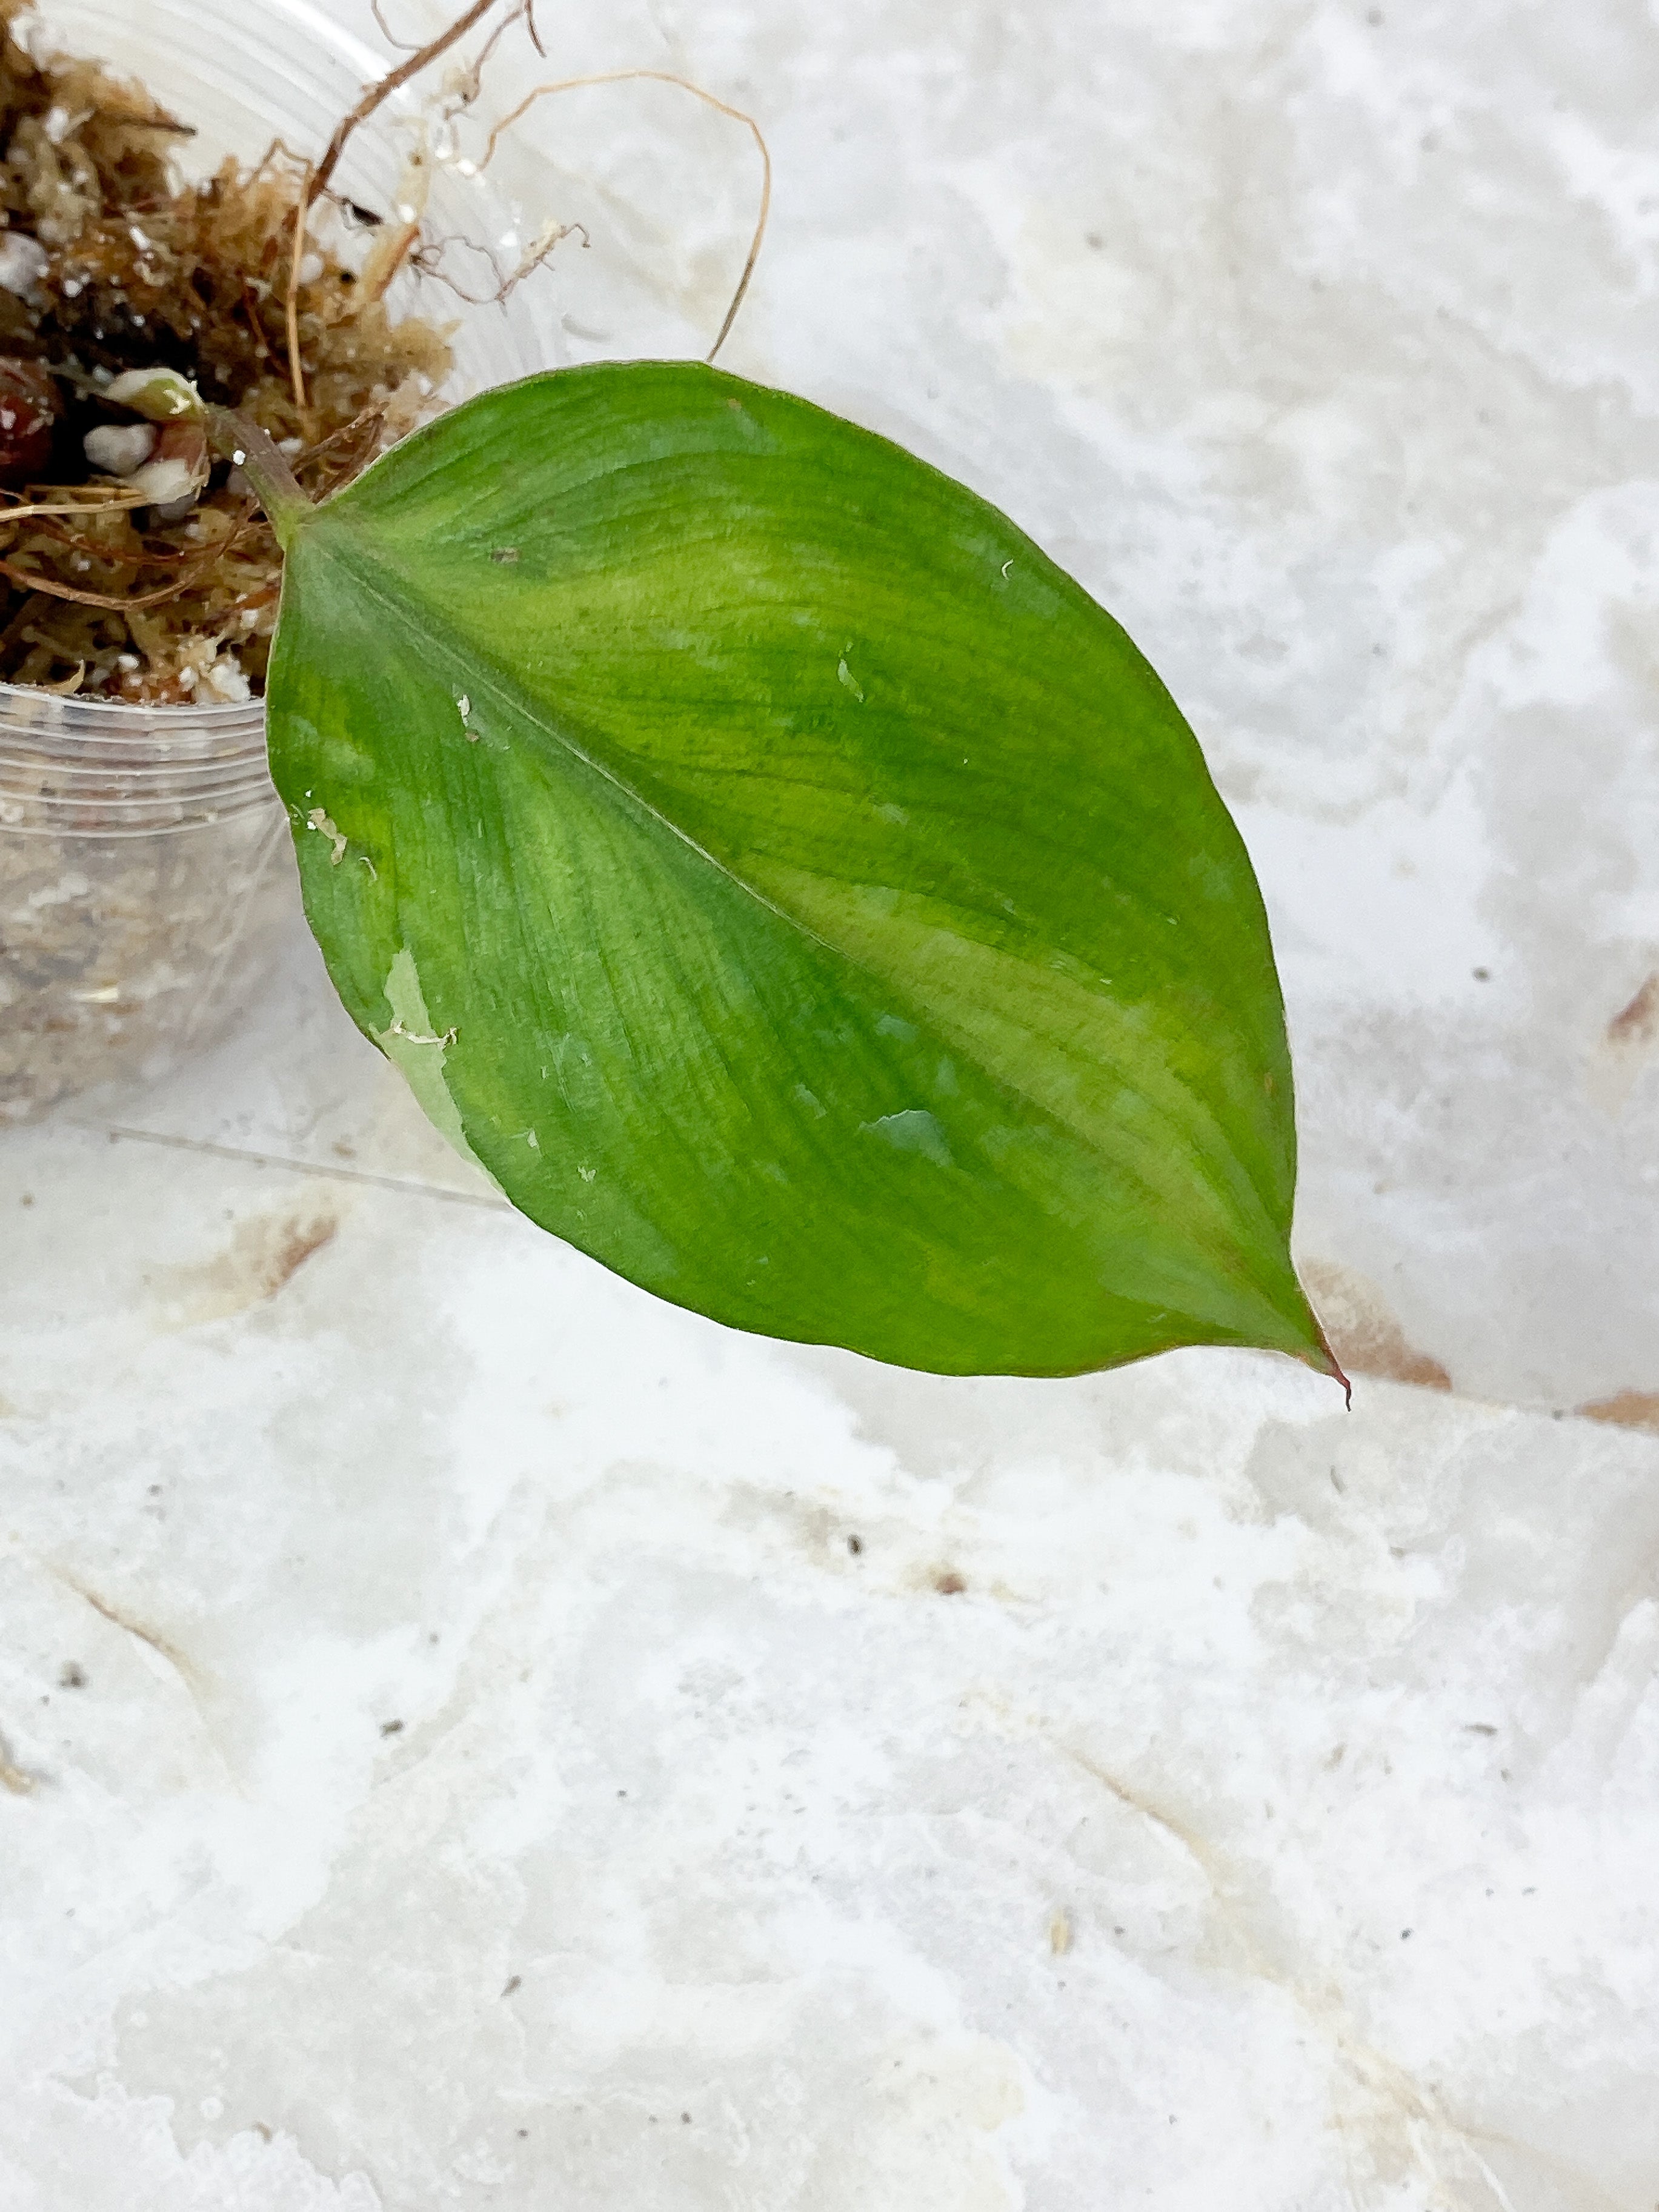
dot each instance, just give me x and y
(791, 887)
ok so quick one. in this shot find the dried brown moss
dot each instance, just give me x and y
(109, 261)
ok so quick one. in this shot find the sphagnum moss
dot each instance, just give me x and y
(111, 262)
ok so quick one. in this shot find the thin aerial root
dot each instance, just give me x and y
(429, 262)
(472, 82)
(685, 83)
(393, 81)
(80, 507)
(403, 46)
(31, 582)
(394, 261)
(295, 367)
(255, 326)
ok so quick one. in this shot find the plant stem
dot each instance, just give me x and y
(245, 444)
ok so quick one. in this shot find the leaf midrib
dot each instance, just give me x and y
(366, 573)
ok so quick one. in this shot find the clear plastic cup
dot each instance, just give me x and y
(146, 875)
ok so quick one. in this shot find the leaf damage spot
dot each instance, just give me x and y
(414, 1043)
(845, 675)
(415, 1036)
(504, 556)
(914, 1130)
(318, 819)
(463, 708)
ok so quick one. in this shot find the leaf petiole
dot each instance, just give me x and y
(237, 439)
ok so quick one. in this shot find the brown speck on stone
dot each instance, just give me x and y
(1637, 1024)
(1627, 1409)
(1362, 1333)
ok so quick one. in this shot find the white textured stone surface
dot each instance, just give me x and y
(449, 1734)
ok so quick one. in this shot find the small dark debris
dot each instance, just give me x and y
(391, 1728)
(856, 1545)
(686, 2118)
(1405, 1934)
(367, 216)
(950, 1584)
(1479, 1727)
(72, 1676)
(1482, 975)
(28, 1199)
(524, 2131)
(622, 1793)
(514, 1982)
(1093, 240)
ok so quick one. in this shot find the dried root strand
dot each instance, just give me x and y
(393, 81)
(709, 100)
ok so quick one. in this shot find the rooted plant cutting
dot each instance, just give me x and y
(788, 886)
